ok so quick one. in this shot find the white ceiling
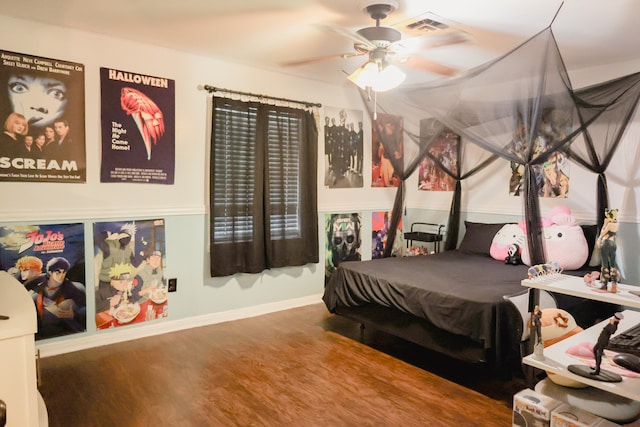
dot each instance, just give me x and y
(269, 33)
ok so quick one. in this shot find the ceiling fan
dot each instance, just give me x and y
(386, 48)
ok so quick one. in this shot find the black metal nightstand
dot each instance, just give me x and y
(432, 233)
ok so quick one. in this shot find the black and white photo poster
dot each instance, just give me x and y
(42, 117)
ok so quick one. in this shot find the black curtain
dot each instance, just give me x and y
(605, 112)
(263, 184)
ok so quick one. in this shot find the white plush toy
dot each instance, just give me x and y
(508, 235)
(563, 240)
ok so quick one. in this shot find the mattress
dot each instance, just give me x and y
(457, 292)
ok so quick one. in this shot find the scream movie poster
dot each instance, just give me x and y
(42, 115)
(138, 128)
(49, 261)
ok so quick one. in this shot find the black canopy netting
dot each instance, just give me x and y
(520, 107)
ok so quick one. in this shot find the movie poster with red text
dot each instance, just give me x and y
(42, 115)
(49, 261)
(138, 128)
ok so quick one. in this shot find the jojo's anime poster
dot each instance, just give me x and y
(129, 260)
(42, 115)
(379, 232)
(49, 261)
(138, 128)
(343, 240)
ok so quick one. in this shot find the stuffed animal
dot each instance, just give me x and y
(505, 238)
(556, 325)
(563, 240)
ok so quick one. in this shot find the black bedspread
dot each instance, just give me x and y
(457, 292)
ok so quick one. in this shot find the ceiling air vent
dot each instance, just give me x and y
(423, 24)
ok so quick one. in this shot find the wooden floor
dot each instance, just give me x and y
(300, 367)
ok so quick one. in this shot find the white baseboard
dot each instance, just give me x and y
(151, 328)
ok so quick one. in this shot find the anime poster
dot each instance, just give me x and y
(388, 128)
(379, 230)
(130, 284)
(49, 261)
(138, 128)
(343, 148)
(552, 174)
(432, 176)
(552, 177)
(343, 240)
(42, 114)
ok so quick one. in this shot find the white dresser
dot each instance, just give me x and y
(18, 382)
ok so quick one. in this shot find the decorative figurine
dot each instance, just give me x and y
(538, 345)
(603, 339)
(596, 373)
(548, 269)
(609, 273)
(513, 255)
(590, 278)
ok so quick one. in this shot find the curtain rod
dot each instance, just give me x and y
(212, 89)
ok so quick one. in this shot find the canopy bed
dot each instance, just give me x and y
(520, 107)
(457, 302)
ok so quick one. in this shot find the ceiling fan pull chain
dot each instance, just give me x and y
(375, 105)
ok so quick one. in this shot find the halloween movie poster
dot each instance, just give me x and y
(138, 128)
(49, 261)
(129, 260)
(343, 240)
(42, 114)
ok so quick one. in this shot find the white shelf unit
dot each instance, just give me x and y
(556, 359)
(18, 383)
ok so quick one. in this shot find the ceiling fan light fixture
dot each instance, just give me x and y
(379, 76)
(389, 77)
(366, 75)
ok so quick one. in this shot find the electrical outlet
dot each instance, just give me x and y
(173, 285)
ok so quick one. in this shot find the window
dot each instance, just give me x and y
(233, 173)
(284, 140)
(263, 187)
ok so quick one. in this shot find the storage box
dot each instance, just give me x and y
(531, 408)
(570, 416)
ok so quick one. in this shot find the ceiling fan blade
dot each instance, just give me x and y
(429, 41)
(423, 64)
(319, 59)
(354, 36)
